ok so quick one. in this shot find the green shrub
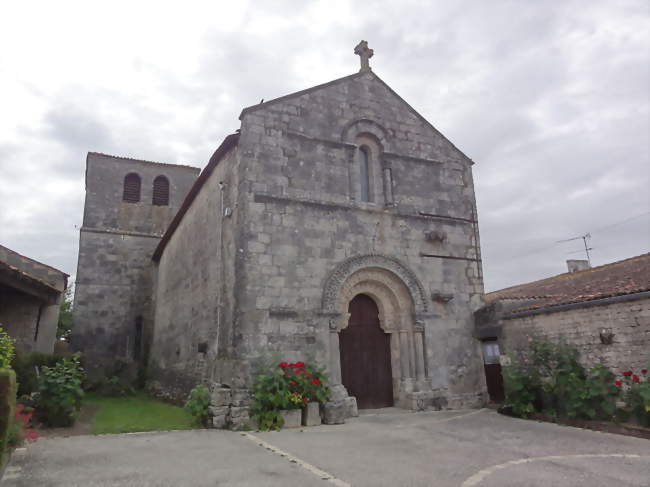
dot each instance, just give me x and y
(116, 387)
(270, 395)
(198, 403)
(548, 377)
(6, 350)
(7, 406)
(521, 387)
(60, 393)
(26, 363)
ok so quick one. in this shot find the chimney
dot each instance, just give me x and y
(577, 265)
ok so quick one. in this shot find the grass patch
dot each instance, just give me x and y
(136, 413)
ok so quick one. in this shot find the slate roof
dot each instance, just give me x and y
(627, 276)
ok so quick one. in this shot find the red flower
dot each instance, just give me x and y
(283, 364)
(618, 383)
(293, 383)
(315, 381)
(635, 378)
(627, 373)
(305, 399)
(31, 435)
(299, 365)
(644, 371)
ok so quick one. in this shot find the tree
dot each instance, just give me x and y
(64, 327)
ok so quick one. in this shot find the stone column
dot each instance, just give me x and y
(49, 319)
(412, 361)
(404, 354)
(338, 390)
(388, 186)
(419, 355)
(335, 358)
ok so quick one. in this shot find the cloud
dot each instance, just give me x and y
(549, 98)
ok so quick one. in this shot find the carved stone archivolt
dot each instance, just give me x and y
(334, 282)
(369, 127)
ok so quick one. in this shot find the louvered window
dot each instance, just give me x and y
(131, 188)
(161, 191)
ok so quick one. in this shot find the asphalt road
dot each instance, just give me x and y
(384, 448)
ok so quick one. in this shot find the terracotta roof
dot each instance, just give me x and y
(8, 250)
(34, 281)
(627, 276)
(228, 143)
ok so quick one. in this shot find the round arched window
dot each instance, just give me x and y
(160, 191)
(131, 192)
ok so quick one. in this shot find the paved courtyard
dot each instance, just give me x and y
(384, 448)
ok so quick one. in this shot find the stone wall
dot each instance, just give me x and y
(30, 297)
(293, 186)
(629, 321)
(18, 316)
(304, 217)
(117, 240)
(194, 291)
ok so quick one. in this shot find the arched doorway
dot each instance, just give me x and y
(365, 356)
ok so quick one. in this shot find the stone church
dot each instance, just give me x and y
(337, 225)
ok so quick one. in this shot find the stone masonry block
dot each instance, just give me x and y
(311, 415)
(335, 412)
(221, 397)
(240, 397)
(292, 418)
(219, 410)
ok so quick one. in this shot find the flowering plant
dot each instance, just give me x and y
(286, 386)
(635, 389)
(21, 429)
(307, 380)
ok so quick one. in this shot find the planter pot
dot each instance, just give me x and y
(311, 414)
(291, 417)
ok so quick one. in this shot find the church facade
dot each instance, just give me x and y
(337, 226)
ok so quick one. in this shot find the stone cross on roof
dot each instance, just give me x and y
(365, 53)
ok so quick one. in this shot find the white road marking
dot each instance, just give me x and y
(12, 473)
(480, 476)
(307, 466)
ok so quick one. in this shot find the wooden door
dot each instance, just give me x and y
(365, 356)
(492, 365)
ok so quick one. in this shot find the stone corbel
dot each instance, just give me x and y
(435, 236)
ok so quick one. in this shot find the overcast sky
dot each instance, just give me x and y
(549, 98)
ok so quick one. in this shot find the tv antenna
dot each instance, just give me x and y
(584, 240)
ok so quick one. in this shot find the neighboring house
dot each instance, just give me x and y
(604, 311)
(30, 298)
(336, 224)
